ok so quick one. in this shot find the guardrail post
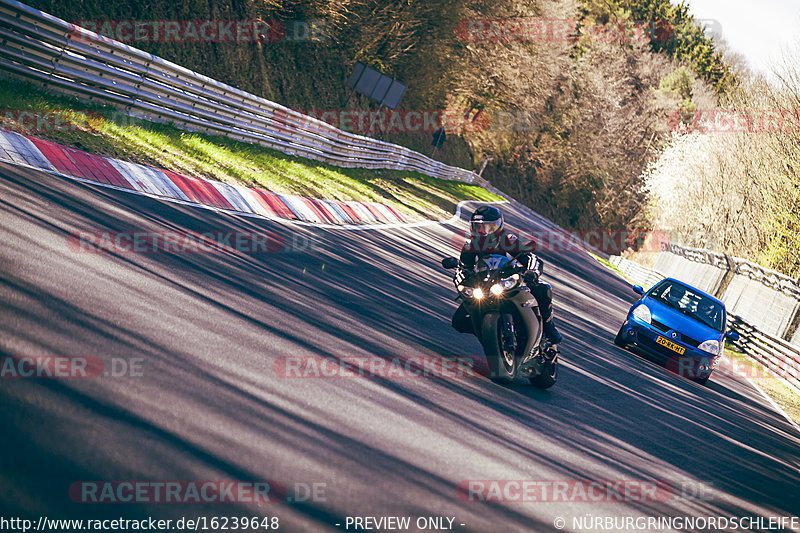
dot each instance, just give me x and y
(67, 42)
(719, 292)
(139, 86)
(794, 323)
(745, 332)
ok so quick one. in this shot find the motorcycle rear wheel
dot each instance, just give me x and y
(548, 377)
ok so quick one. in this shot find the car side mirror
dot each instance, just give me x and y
(638, 289)
(732, 336)
(449, 262)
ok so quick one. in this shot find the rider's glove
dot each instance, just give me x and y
(533, 268)
(530, 262)
(531, 277)
(459, 276)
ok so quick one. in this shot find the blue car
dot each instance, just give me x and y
(680, 325)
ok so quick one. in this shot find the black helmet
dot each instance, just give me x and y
(486, 220)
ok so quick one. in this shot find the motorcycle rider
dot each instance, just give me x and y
(489, 236)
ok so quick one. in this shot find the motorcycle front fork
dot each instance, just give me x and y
(509, 334)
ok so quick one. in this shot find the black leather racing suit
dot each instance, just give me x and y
(508, 243)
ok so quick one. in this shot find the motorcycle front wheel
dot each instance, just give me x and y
(499, 348)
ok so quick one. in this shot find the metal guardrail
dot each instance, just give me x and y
(774, 354)
(767, 277)
(646, 277)
(45, 49)
(768, 299)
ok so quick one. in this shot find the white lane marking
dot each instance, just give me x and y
(774, 404)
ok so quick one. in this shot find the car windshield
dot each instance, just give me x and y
(690, 302)
(491, 262)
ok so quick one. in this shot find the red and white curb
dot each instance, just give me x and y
(171, 186)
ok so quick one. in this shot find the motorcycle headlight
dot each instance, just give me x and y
(642, 313)
(711, 346)
(504, 284)
(510, 282)
(466, 291)
(477, 293)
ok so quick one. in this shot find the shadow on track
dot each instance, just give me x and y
(210, 327)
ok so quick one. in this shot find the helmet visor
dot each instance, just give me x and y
(485, 228)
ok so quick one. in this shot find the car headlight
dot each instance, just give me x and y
(642, 313)
(477, 293)
(711, 346)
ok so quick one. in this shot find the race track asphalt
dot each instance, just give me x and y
(202, 338)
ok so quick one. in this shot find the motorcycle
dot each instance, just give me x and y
(506, 319)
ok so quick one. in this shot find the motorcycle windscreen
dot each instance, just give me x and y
(491, 262)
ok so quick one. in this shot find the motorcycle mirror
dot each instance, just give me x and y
(449, 262)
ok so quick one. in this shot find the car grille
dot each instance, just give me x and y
(682, 338)
(658, 325)
(690, 341)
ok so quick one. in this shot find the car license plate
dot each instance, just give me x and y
(669, 344)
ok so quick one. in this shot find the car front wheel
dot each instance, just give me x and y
(619, 340)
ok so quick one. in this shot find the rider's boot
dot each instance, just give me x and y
(551, 333)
